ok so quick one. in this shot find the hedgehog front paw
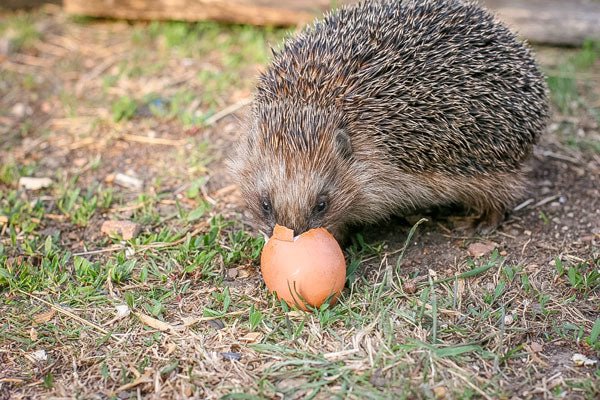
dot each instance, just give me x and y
(489, 221)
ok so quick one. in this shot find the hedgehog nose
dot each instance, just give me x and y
(299, 230)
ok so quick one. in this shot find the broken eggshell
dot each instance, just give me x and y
(304, 270)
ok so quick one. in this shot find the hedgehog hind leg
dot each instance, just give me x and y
(492, 199)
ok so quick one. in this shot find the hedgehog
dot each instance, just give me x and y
(382, 108)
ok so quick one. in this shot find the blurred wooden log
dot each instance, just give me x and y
(25, 4)
(562, 22)
(254, 12)
(557, 22)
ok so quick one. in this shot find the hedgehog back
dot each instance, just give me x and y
(441, 85)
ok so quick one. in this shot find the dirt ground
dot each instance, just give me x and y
(61, 80)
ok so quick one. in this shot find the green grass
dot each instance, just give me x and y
(563, 81)
(230, 53)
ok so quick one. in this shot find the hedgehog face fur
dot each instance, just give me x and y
(297, 172)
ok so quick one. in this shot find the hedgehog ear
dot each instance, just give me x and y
(342, 142)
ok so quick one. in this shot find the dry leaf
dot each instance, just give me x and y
(44, 316)
(189, 321)
(33, 335)
(126, 229)
(155, 323)
(251, 337)
(171, 347)
(481, 249)
(536, 347)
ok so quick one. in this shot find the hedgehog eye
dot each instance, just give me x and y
(320, 207)
(265, 205)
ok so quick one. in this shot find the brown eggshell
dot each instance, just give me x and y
(308, 268)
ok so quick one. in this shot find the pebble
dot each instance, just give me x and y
(231, 356)
(31, 183)
(128, 181)
(19, 110)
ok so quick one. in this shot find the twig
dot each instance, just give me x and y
(546, 200)
(227, 110)
(523, 204)
(562, 157)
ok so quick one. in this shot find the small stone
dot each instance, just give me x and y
(481, 249)
(40, 355)
(581, 360)
(19, 110)
(32, 183)
(508, 319)
(216, 324)
(128, 181)
(409, 286)
(126, 229)
(231, 356)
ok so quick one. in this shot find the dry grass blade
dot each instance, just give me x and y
(151, 140)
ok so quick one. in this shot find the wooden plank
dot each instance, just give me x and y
(562, 22)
